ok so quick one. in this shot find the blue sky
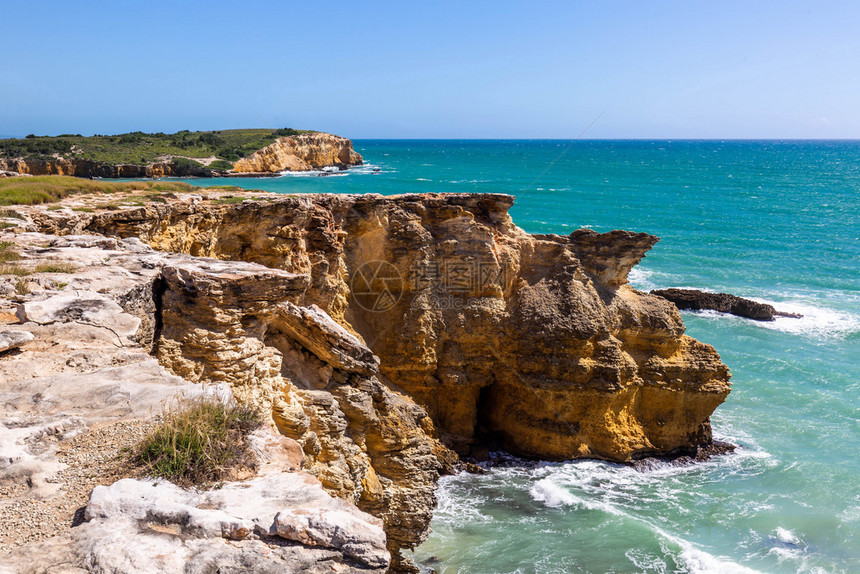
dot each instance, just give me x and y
(655, 69)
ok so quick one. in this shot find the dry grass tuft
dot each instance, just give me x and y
(15, 269)
(199, 442)
(7, 253)
(55, 267)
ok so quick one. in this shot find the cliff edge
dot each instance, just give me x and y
(382, 333)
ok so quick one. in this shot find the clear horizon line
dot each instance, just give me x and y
(852, 139)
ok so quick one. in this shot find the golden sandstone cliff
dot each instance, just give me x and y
(300, 153)
(382, 331)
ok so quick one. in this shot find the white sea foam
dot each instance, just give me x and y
(553, 491)
(700, 562)
(817, 322)
(455, 508)
(787, 536)
(363, 169)
(552, 495)
(639, 278)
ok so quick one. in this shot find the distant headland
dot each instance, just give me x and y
(220, 153)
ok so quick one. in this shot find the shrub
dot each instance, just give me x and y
(199, 441)
(287, 132)
(184, 162)
(207, 138)
(220, 164)
(231, 154)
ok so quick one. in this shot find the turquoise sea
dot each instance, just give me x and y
(777, 221)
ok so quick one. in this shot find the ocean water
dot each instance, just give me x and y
(774, 221)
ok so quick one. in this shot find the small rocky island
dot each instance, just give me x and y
(696, 300)
(221, 153)
(384, 338)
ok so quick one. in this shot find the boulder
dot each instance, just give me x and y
(13, 339)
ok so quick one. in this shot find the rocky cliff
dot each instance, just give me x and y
(292, 153)
(381, 331)
(79, 384)
(86, 168)
(533, 340)
(300, 153)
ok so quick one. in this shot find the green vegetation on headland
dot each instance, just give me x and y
(143, 148)
(51, 188)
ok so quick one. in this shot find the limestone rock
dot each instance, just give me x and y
(10, 339)
(145, 526)
(536, 341)
(85, 307)
(300, 153)
(610, 256)
(233, 322)
(314, 330)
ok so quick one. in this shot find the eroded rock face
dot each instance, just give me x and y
(365, 314)
(85, 362)
(300, 153)
(534, 340)
(234, 323)
(86, 168)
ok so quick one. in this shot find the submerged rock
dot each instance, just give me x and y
(722, 302)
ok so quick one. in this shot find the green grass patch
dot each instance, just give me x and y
(199, 442)
(220, 164)
(52, 188)
(228, 200)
